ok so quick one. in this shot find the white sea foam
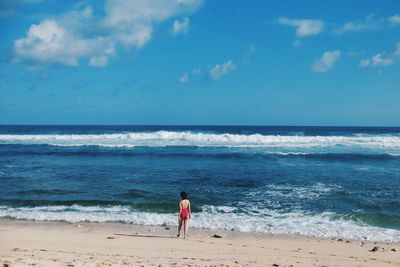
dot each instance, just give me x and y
(223, 218)
(173, 138)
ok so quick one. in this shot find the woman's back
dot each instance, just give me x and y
(184, 203)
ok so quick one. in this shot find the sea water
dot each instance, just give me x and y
(315, 181)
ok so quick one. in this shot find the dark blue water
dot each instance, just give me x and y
(320, 181)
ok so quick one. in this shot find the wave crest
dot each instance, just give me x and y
(173, 138)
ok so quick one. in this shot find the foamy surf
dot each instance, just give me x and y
(325, 224)
(174, 138)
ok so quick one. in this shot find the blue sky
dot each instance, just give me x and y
(200, 62)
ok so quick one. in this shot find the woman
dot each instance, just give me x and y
(184, 214)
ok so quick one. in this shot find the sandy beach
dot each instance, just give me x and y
(27, 243)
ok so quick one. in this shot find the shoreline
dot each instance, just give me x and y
(322, 225)
(42, 243)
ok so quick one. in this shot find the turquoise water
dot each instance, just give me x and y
(318, 181)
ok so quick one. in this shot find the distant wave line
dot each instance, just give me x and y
(173, 138)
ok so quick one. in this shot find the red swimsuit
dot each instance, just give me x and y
(184, 213)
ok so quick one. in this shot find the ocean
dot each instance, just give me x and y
(341, 182)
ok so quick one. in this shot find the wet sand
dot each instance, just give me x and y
(27, 243)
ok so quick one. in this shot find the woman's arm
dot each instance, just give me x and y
(190, 212)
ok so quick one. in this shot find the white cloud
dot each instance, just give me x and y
(133, 21)
(124, 13)
(184, 78)
(326, 62)
(378, 60)
(98, 61)
(137, 36)
(370, 23)
(382, 59)
(355, 27)
(180, 26)
(214, 72)
(188, 76)
(219, 70)
(47, 42)
(395, 19)
(77, 35)
(304, 27)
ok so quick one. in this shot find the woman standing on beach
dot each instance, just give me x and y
(184, 214)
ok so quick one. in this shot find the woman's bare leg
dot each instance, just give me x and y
(179, 227)
(184, 228)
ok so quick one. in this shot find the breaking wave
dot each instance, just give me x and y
(326, 224)
(391, 143)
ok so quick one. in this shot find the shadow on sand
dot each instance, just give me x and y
(154, 236)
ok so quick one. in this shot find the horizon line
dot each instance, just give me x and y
(206, 125)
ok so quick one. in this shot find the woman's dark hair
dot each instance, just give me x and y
(183, 195)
